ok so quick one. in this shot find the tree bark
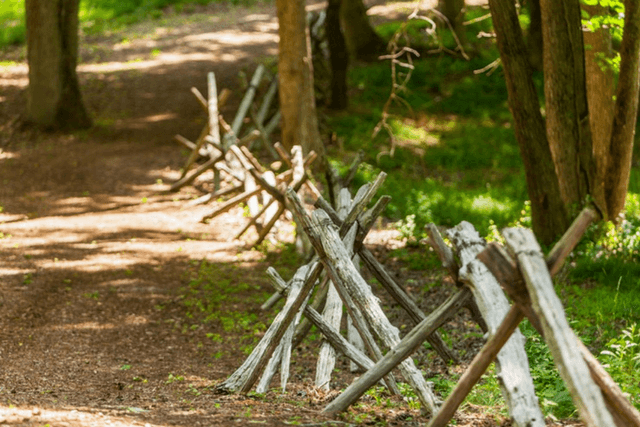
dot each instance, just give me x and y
(626, 112)
(534, 36)
(565, 92)
(338, 56)
(53, 96)
(549, 215)
(297, 100)
(452, 10)
(600, 91)
(361, 39)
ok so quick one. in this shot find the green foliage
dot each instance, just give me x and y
(622, 360)
(552, 393)
(12, 22)
(210, 297)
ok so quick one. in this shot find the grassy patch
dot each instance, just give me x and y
(451, 155)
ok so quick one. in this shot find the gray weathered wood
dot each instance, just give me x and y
(226, 206)
(244, 107)
(478, 367)
(244, 377)
(340, 268)
(558, 335)
(409, 344)
(332, 315)
(505, 270)
(188, 179)
(512, 365)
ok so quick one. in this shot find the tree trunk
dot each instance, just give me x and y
(600, 91)
(362, 41)
(338, 56)
(534, 36)
(565, 92)
(549, 216)
(626, 112)
(297, 100)
(452, 10)
(53, 97)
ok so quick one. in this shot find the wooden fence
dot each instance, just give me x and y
(482, 273)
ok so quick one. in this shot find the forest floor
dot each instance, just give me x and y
(95, 256)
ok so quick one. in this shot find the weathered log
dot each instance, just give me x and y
(186, 180)
(330, 333)
(443, 250)
(366, 222)
(512, 365)
(332, 314)
(409, 344)
(254, 220)
(270, 178)
(570, 239)
(559, 337)
(353, 169)
(478, 367)
(337, 262)
(244, 107)
(505, 270)
(244, 377)
(354, 311)
(211, 196)
(449, 263)
(283, 154)
(195, 153)
(226, 206)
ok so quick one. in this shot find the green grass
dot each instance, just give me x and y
(12, 23)
(99, 16)
(455, 158)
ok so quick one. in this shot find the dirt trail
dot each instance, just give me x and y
(93, 255)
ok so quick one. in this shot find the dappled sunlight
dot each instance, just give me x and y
(159, 117)
(92, 326)
(12, 415)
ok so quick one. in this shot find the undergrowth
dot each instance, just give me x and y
(451, 155)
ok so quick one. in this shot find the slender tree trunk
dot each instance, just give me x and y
(452, 10)
(53, 97)
(534, 36)
(297, 100)
(600, 91)
(565, 92)
(338, 56)
(362, 40)
(549, 216)
(626, 112)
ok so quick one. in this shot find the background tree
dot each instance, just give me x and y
(338, 56)
(53, 96)
(297, 100)
(566, 134)
(452, 10)
(361, 39)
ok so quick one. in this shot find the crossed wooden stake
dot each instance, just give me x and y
(225, 152)
(336, 238)
(599, 400)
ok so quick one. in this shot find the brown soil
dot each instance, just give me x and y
(94, 255)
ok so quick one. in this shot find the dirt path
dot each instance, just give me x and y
(92, 325)
(97, 262)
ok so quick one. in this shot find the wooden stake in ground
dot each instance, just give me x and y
(336, 260)
(558, 335)
(512, 365)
